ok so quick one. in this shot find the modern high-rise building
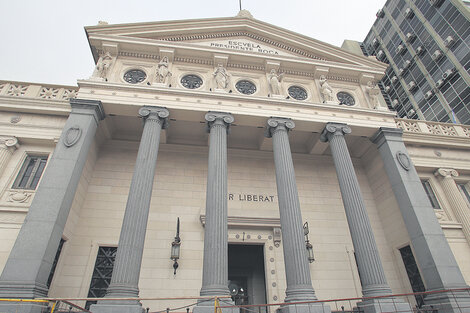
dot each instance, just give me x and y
(427, 44)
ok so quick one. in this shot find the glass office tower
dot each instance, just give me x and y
(427, 44)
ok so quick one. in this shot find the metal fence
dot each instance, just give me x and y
(44, 305)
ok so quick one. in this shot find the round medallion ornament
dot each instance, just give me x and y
(135, 76)
(298, 93)
(72, 135)
(403, 160)
(191, 81)
(345, 98)
(245, 87)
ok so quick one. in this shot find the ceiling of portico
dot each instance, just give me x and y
(193, 133)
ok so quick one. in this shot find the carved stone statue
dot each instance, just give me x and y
(274, 81)
(326, 90)
(102, 67)
(221, 77)
(373, 91)
(163, 72)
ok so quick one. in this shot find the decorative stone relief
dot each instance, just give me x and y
(17, 90)
(274, 81)
(102, 67)
(69, 94)
(373, 91)
(221, 77)
(19, 196)
(48, 93)
(277, 236)
(15, 119)
(403, 160)
(72, 135)
(326, 90)
(163, 72)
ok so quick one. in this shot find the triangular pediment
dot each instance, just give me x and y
(235, 35)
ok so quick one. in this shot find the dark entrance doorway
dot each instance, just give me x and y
(246, 275)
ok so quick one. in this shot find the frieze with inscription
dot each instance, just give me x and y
(251, 197)
(244, 45)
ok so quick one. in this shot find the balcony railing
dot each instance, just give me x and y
(37, 91)
(433, 128)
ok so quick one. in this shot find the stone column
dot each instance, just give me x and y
(125, 278)
(8, 145)
(368, 260)
(299, 283)
(436, 261)
(215, 266)
(30, 261)
(456, 201)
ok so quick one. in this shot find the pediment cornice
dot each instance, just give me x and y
(188, 33)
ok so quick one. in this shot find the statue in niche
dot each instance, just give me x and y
(102, 67)
(163, 71)
(274, 81)
(325, 90)
(373, 90)
(221, 77)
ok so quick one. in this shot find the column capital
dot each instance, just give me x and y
(446, 172)
(334, 129)
(84, 106)
(218, 118)
(159, 114)
(9, 142)
(387, 134)
(278, 123)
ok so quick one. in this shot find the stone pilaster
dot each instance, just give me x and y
(215, 266)
(126, 272)
(27, 269)
(299, 283)
(456, 201)
(368, 260)
(436, 261)
(8, 145)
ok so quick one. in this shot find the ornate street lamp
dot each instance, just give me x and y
(175, 247)
(308, 245)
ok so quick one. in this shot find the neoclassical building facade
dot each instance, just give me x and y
(260, 142)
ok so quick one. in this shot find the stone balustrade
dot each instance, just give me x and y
(433, 128)
(36, 91)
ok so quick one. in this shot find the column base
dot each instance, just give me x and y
(448, 302)
(207, 306)
(116, 306)
(383, 305)
(23, 307)
(305, 308)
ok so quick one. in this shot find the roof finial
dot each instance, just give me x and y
(244, 14)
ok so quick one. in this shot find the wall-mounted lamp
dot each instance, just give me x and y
(175, 247)
(308, 245)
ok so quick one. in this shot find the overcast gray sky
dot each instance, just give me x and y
(43, 41)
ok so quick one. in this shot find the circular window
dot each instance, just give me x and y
(246, 87)
(191, 81)
(297, 92)
(345, 98)
(135, 76)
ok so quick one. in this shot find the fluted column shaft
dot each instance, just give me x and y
(299, 283)
(125, 278)
(7, 146)
(370, 267)
(456, 201)
(215, 266)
